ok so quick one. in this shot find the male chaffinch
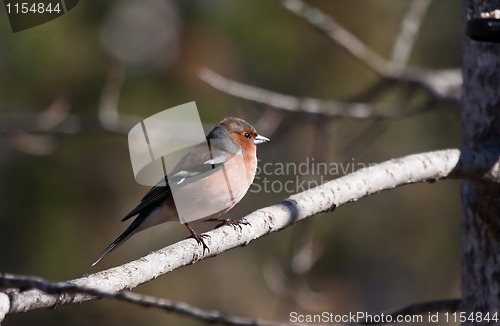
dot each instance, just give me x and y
(229, 145)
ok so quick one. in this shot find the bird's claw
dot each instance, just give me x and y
(198, 238)
(233, 223)
(200, 241)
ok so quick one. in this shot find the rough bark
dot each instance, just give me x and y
(480, 200)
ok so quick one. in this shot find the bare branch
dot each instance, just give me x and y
(110, 95)
(443, 85)
(32, 144)
(63, 289)
(56, 113)
(432, 82)
(451, 163)
(25, 129)
(269, 121)
(410, 27)
(340, 35)
(297, 104)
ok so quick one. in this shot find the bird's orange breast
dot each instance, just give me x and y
(217, 192)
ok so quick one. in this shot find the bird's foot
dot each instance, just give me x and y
(198, 238)
(227, 221)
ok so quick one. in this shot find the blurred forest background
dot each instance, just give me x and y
(66, 177)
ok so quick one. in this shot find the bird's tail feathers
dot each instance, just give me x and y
(121, 239)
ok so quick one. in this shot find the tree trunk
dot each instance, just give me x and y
(480, 200)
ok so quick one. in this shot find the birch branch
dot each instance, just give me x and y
(431, 166)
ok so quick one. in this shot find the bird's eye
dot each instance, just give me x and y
(247, 135)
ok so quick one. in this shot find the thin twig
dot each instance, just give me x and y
(410, 27)
(297, 104)
(183, 309)
(340, 35)
(110, 95)
(441, 85)
(269, 121)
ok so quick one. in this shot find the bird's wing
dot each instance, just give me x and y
(191, 168)
(153, 199)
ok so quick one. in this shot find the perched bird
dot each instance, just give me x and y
(214, 176)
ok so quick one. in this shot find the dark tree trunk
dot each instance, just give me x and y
(480, 200)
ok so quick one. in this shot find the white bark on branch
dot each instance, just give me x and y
(451, 163)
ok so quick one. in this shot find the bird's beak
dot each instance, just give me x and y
(260, 139)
